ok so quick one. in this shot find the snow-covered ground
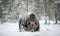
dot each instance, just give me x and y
(11, 29)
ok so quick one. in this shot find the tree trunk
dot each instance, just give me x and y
(45, 11)
(55, 17)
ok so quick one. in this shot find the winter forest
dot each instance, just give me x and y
(48, 12)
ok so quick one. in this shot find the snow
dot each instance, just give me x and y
(11, 29)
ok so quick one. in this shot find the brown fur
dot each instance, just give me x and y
(29, 22)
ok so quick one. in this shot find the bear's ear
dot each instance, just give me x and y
(32, 16)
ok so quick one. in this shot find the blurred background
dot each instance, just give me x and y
(48, 12)
(45, 9)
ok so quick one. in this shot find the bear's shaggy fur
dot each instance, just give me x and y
(29, 22)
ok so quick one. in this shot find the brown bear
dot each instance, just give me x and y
(29, 22)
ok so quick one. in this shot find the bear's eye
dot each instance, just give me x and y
(36, 23)
(28, 23)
